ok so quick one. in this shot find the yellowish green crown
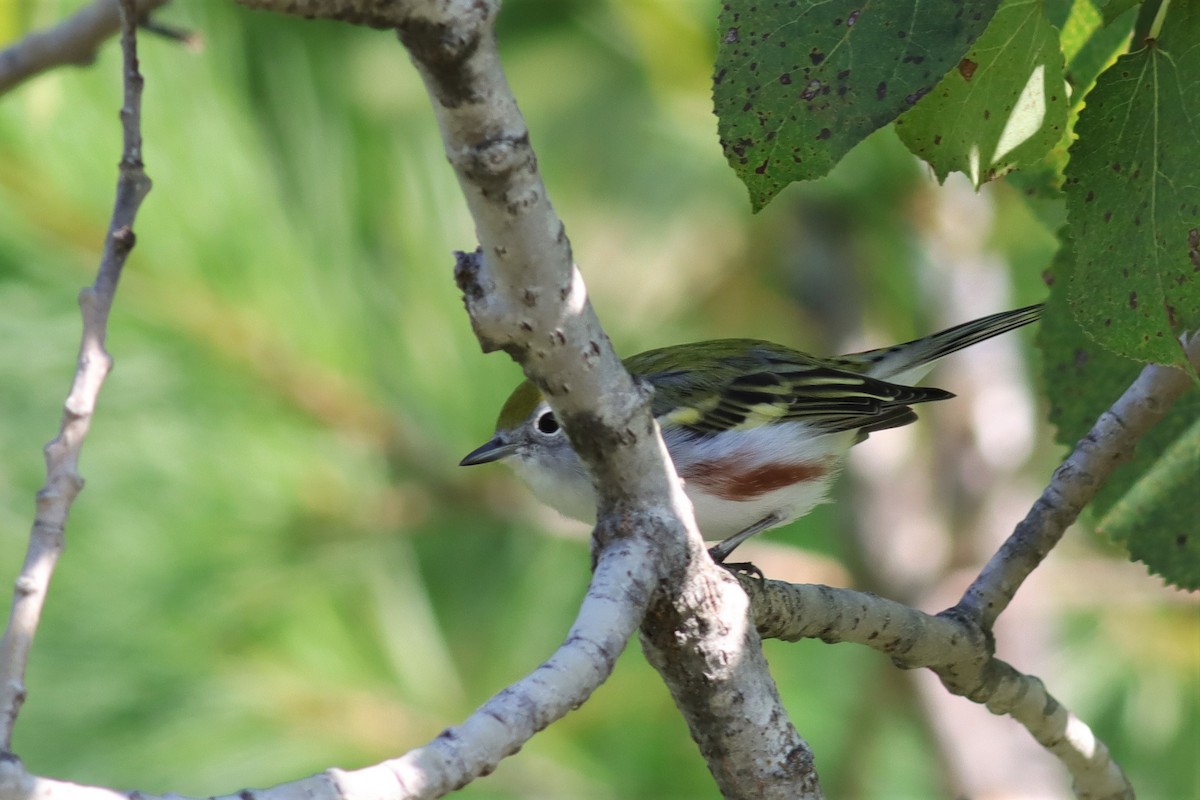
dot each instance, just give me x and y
(519, 405)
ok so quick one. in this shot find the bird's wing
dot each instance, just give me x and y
(739, 384)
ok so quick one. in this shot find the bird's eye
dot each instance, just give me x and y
(547, 424)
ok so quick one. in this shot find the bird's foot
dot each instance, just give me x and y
(740, 567)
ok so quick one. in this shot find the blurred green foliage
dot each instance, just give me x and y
(276, 566)
(797, 85)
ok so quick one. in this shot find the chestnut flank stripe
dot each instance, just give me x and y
(734, 479)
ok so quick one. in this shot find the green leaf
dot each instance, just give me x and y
(1082, 380)
(1115, 8)
(1159, 530)
(1005, 104)
(1090, 43)
(1133, 197)
(798, 84)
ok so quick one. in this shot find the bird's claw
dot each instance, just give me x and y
(742, 567)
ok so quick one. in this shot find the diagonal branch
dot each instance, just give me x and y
(1073, 485)
(63, 481)
(958, 651)
(75, 40)
(610, 614)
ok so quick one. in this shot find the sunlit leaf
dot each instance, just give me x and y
(1089, 46)
(1005, 104)
(1090, 43)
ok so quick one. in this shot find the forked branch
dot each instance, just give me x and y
(75, 40)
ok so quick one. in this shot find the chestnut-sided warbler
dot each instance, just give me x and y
(757, 431)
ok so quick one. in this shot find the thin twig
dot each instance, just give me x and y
(192, 40)
(1073, 485)
(73, 41)
(63, 481)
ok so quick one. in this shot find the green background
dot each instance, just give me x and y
(276, 566)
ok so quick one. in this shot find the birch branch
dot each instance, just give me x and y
(721, 684)
(524, 296)
(608, 616)
(74, 41)
(63, 481)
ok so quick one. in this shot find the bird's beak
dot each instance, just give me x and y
(493, 450)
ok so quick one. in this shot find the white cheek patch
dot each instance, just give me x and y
(558, 481)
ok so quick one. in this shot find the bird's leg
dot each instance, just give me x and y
(721, 551)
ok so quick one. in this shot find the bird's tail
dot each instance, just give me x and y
(907, 363)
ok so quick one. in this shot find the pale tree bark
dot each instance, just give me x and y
(1109, 444)
(63, 481)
